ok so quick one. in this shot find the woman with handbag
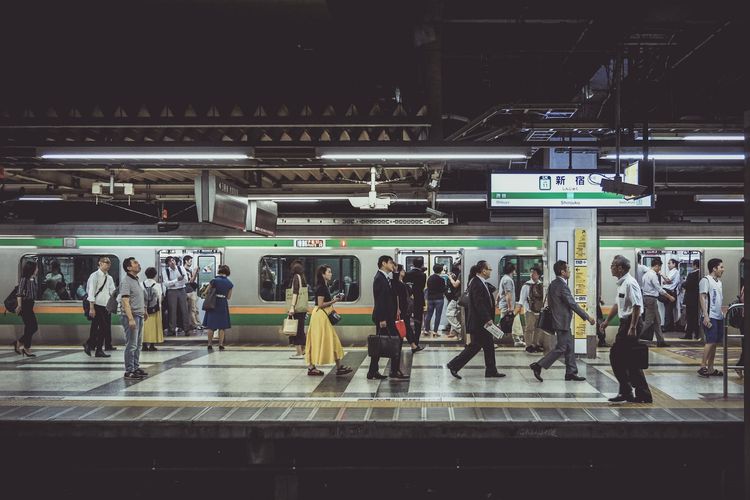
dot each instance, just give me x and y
(153, 332)
(26, 295)
(404, 311)
(323, 344)
(297, 302)
(217, 317)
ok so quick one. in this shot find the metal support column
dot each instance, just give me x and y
(747, 316)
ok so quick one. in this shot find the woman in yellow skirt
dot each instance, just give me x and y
(323, 344)
(153, 332)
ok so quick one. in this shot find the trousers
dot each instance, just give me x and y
(565, 348)
(652, 321)
(30, 325)
(453, 315)
(101, 328)
(481, 340)
(531, 334)
(434, 306)
(628, 376)
(390, 329)
(178, 299)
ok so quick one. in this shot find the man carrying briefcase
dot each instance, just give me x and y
(627, 355)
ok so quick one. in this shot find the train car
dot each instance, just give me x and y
(260, 265)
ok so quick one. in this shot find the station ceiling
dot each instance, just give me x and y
(287, 77)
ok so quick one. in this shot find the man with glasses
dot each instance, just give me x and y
(99, 288)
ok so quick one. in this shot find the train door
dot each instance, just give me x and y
(448, 259)
(523, 264)
(205, 261)
(684, 260)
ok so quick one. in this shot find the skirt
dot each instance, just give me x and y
(153, 331)
(323, 344)
(218, 317)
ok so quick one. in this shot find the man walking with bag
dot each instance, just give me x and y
(480, 316)
(384, 317)
(562, 305)
(628, 307)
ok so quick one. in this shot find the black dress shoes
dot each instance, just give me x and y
(398, 376)
(375, 376)
(110, 348)
(494, 375)
(662, 344)
(101, 354)
(622, 398)
(537, 369)
(87, 349)
(417, 349)
(454, 372)
(574, 378)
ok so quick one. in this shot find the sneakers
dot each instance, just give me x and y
(297, 356)
(140, 372)
(133, 376)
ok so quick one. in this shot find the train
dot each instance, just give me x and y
(259, 265)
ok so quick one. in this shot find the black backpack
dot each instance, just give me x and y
(152, 300)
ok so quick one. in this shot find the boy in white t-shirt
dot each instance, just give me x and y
(711, 297)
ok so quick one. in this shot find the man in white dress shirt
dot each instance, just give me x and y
(175, 278)
(99, 288)
(652, 289)
(192, 292)
(672, 286)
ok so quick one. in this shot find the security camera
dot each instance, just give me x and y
(616, 186)
(166, 227)
(370, 202)
(435, 213)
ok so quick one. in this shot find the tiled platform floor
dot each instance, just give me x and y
(262, 383)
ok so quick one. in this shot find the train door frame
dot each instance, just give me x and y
(430, 255)
(517, 280)
(204, 277)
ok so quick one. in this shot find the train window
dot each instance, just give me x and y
(274, 275)
(206, 269)
(446, 261)
(523, 263)
(63, 277)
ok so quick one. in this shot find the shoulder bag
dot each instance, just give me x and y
(544, 322)
(86, 303)
(464, 300)
(302, 297)
(209, 303)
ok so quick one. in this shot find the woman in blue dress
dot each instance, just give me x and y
(218, 317)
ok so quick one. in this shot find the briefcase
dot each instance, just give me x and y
(544, 322)
(639, 355)
(383, 346)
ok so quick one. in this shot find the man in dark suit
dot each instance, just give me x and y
(563, 306)
(691, 301)
(480, 313)
(384, 316)
(417, 280)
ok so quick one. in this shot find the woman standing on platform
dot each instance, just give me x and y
(26, 295)
(153, 331)
(297, 283)
(405, 313)
(323, 344)
(218, 317)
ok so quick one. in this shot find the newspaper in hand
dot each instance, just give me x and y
(495, 331)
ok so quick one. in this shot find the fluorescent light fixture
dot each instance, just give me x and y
(41, 197)
(461, 200)
(145, 156)
(720, 198)
(408, 200)
(714, 138)
(296, 201)
(422, 156)
(678, 156)
(310, 198)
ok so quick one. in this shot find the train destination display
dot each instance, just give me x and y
(560, 189)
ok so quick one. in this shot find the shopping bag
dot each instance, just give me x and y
(401, 327)
(289, 327)
(517, 326)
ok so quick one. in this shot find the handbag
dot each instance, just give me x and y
(289, 327)
(209, 303)
(400, 324)
(506, 323)
(544, 322)
(302, 297)
(639, 355)
(334, 317)
(464, 300)
(383, 346)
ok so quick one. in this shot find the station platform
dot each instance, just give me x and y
(251, 410)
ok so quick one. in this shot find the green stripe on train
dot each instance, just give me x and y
(359, 243)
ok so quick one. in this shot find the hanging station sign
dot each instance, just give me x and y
(560, 189)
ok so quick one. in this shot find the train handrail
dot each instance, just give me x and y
(726, 347)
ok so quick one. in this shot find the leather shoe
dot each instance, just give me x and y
(110, 348)
(622, 398)
(643, 400)
(662, 344)
(454, 372)
(574, 378)
(494, 375)
(101, 354)
(375, 376)
(87, 349)
(417, 349)
(398, 376)
(537, 369)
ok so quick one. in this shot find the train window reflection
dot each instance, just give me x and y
(274, 275)
(523, 264)
(63, 277)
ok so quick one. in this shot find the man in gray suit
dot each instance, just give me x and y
(562, 305)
